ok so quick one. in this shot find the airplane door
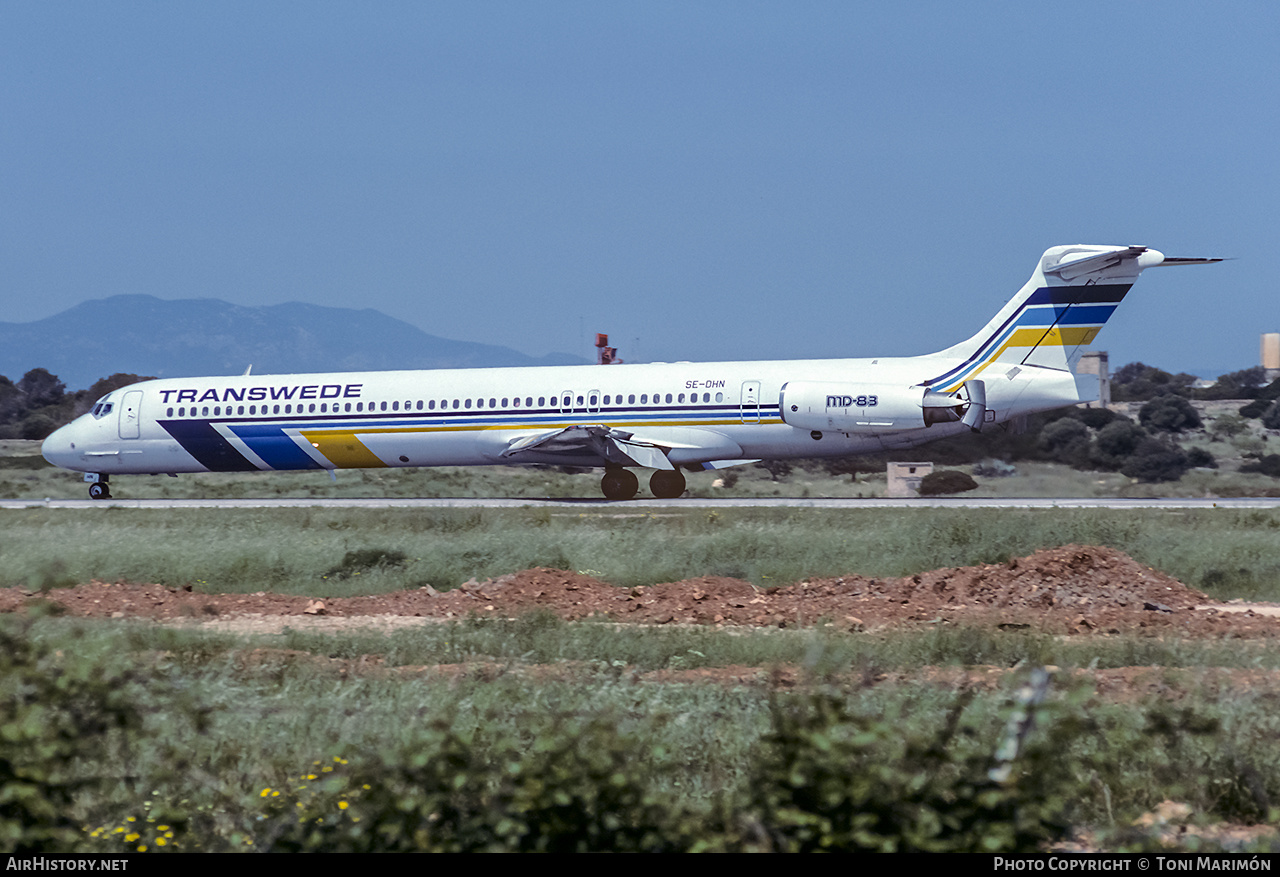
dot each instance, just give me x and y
(566, 402)
(749, 408)
(130, 414)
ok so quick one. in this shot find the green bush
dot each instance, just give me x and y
(57, 712)
(575, 785)
(1116, 442)
(831, 781)
(946, 481)
(1268, 465)
(1154, 461)
(1169, 413)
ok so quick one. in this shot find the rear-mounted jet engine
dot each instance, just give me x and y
(875, 408)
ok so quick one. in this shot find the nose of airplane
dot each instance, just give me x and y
(60, 447)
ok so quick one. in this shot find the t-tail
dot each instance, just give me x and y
(1072, 293)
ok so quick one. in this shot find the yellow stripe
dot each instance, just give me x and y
(1036, 337)
(343, 449)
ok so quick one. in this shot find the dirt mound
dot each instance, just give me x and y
(1074, 588)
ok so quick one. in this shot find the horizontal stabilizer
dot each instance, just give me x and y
(1170, 260)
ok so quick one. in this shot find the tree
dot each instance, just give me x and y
(1169, 413)
(41, 388)
(1154, 460)
(1116, 442)
(1137, 382)
(1241, 384)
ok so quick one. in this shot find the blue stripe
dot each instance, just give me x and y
(199, 439)
(1077, 315)
(1072, 295)
(275, 448)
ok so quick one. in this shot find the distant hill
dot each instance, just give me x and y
(145, 335)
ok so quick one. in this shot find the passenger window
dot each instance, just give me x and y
(479, 403)
(182, 412)
(542, 400)
(669, 396)
(456, 404)
(466, 403)
(347, 406)
(493, 403)
(240, 410)
(516, 400)
(253, 409)
(681, 397)
(644, 398)
(169, 413)
(395, 406)
(384, 406)
(504, 402)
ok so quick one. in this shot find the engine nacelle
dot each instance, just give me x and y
(866, 408)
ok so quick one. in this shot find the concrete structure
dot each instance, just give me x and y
(1095, 363)
(1271, 355)
(904, 478)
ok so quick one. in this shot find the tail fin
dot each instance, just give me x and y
(1072, 293)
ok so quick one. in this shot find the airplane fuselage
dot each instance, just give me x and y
(660, 416)
(703, 411)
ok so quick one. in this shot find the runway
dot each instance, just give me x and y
(643, 504)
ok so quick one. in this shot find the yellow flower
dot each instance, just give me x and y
(342, 805)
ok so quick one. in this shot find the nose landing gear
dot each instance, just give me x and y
(99, 488)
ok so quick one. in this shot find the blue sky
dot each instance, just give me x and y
(700, 180)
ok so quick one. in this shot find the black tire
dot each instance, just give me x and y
(98, 490)
(619, 484)
(667, 484)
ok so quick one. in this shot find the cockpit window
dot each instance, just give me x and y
(102, 409)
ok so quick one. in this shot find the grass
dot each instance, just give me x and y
(1228, 553)
(1206, 746)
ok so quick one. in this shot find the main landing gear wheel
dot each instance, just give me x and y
(619, 484)
(667, 483)
(98, 490)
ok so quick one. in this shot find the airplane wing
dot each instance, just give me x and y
(613, 445)
(658, 447)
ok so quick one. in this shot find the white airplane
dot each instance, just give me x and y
(666, 417)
